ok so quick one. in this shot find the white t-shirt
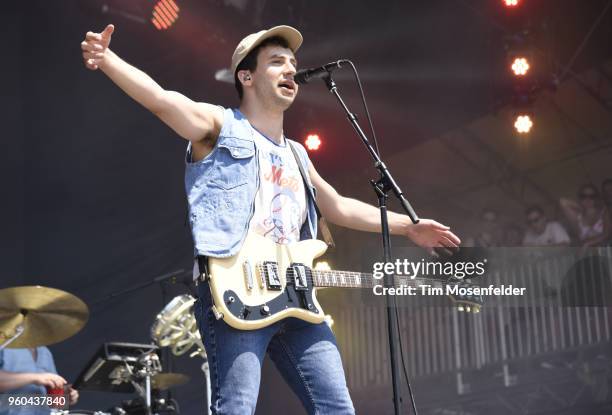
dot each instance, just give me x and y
(280, 202)
(553, 234)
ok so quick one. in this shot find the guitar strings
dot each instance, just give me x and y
(364, 279)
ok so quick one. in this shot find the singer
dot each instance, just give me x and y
(243, 174)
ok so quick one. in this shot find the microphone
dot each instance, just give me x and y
(303, 76)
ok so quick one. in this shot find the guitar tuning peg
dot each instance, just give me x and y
(476, 309)
(459, 308)
(468, 309)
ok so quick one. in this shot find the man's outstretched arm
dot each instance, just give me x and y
(354, 214)
(191, 120)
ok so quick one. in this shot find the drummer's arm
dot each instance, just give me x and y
(15, 380)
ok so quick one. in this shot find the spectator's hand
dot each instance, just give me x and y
(50, 380)
(74, 396)
(95, 46)
(430, 235)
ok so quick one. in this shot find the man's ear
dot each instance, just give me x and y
(245, 77)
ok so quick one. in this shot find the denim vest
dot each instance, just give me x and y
(221, 189)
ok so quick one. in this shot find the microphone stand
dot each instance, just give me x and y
(382, 187)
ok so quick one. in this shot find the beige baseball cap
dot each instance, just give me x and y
(293, 36)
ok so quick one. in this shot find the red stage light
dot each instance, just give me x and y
(520, 66)
(511, 3)
(165, 13)
(313, 142)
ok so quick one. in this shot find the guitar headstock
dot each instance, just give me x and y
(468, 302)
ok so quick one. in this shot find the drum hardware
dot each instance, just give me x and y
(131, 368)
(176, 327)
(175, 277)
(149, 366)
(18, 331)
(113, 367)
(137, 407)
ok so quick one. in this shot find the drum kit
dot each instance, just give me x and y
(32, 316)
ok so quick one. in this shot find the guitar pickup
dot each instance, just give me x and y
(300, 277)
(272, 276)
(248, 274)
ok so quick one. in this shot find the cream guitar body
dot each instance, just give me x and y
(250, 289)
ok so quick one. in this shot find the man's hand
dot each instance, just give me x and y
(430, 234)
(74, 396)
(50, 380)
(95, 46)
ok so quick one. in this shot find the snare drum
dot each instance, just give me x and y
(175, 327)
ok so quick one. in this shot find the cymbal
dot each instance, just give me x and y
(48, 315)
(163, 381)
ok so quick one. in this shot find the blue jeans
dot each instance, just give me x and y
(305, 354)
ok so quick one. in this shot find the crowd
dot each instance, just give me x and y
(584, 221)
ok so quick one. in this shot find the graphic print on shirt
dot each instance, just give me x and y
(280, 203)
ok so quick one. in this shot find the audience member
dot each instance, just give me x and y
(543, 232)
(589, 216)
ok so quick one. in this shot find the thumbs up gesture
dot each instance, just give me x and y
(94, 47)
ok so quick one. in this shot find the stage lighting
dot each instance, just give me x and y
(511, 3)
(313, 142)
(165, 13)
(520, 66)
(523, 123)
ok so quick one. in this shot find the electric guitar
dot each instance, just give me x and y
(267, 282)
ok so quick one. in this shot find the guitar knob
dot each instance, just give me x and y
(265, 310)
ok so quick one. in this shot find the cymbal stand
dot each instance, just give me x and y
(18, 332)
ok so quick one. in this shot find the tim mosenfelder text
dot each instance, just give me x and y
(451, 289)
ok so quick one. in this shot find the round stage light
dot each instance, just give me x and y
(520, 66)
(523, 124)
(511, 3)
(313, 142)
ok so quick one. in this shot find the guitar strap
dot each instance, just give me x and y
(325, 232)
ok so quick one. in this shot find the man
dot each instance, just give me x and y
(542, 232)
(30, 372)
(241, 175)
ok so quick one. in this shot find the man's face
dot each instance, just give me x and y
(588, 197)
(273, 79)
(536, 221)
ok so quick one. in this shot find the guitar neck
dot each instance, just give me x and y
(349, 279)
